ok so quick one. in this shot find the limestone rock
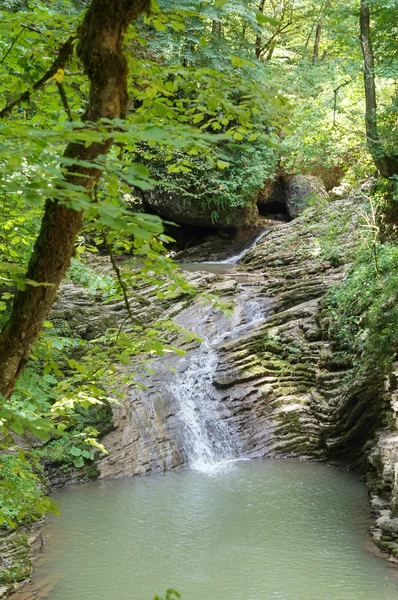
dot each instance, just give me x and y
(331, 176)
(273, 191)
(179, 209)
(300, 190)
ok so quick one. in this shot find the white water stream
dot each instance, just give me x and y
(234, 260)
(209, 439)
(209, 436)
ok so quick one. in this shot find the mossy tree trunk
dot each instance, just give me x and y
(386, 165)
(100, 47)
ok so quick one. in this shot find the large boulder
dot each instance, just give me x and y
(182, 210)
(301, 190)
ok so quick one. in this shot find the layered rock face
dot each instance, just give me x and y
(14, 561)
(16, 550)
(280, 382)
(281, 387)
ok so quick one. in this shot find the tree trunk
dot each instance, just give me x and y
(101, 36)
(216, 29)
(387, 165)
(317, 42)
(259, 39)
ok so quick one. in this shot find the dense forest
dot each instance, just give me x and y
(132, 130)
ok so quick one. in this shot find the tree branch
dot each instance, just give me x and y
(64, 100)
(60, 62)
(10, 48)
(118, 273)
(272, 38)
(335, 92)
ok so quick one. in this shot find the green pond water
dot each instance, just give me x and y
(260, 530)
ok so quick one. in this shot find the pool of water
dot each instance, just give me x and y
(261, 530)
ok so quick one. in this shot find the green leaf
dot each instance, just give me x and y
(221, 164)
(262, 18)
(74, 451)
(79, 462)
(87, 454)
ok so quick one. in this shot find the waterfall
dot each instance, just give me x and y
(208, 438)
(209, 435)
(233, 260)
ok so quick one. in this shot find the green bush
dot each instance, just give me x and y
(21, 490)
(235, 183)
(363, 309)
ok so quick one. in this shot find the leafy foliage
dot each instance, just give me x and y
(170, 595)
(363, 310)
(235, 182)
(21, 491)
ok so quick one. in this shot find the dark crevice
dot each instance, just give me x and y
(188, 236)
(274, 210)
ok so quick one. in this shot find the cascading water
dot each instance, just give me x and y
(233, 260)
(208, 438)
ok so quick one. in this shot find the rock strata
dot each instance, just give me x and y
(282, 382)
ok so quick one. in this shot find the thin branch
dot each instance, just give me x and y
(64, 100)
(11, 47)
(63, 57)
(272, 38)
(32, 28)
(120, 329)
(122, 283)
(315, 23)
(335, 92)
